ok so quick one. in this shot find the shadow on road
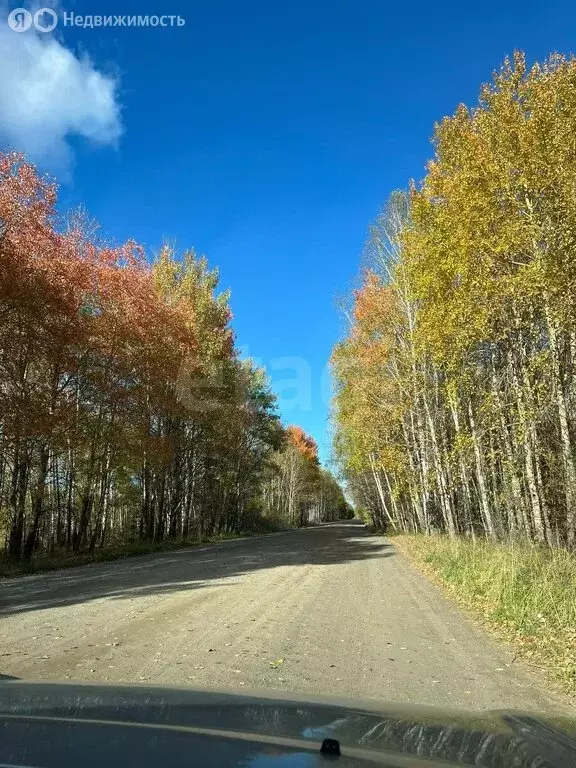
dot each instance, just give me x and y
(329, 544)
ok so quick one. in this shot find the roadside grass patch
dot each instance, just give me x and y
(524, 593)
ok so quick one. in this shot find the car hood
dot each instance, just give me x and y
(45, 724)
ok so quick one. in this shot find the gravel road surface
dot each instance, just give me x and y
(330, 610)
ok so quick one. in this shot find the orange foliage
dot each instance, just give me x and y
(303, 442)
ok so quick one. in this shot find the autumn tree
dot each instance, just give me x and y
(478, 370)
(126, 413)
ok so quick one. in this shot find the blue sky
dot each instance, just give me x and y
(268, 136)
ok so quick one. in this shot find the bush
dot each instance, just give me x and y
(525, 591)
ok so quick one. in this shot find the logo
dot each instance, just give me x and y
(20, 20)
(45, 20)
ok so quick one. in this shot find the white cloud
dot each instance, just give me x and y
(47, 95)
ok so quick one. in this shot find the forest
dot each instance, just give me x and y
(455, 409)
(126, 412)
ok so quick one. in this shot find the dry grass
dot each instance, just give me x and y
(524, 593)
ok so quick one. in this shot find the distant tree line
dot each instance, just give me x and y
(456, 385)
(126, 413)
(299, 490)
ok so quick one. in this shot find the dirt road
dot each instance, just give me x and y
(329, 610)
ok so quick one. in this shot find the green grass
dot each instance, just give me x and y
(523, 592)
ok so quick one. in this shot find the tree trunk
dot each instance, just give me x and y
(567, 453)
(37, 502)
